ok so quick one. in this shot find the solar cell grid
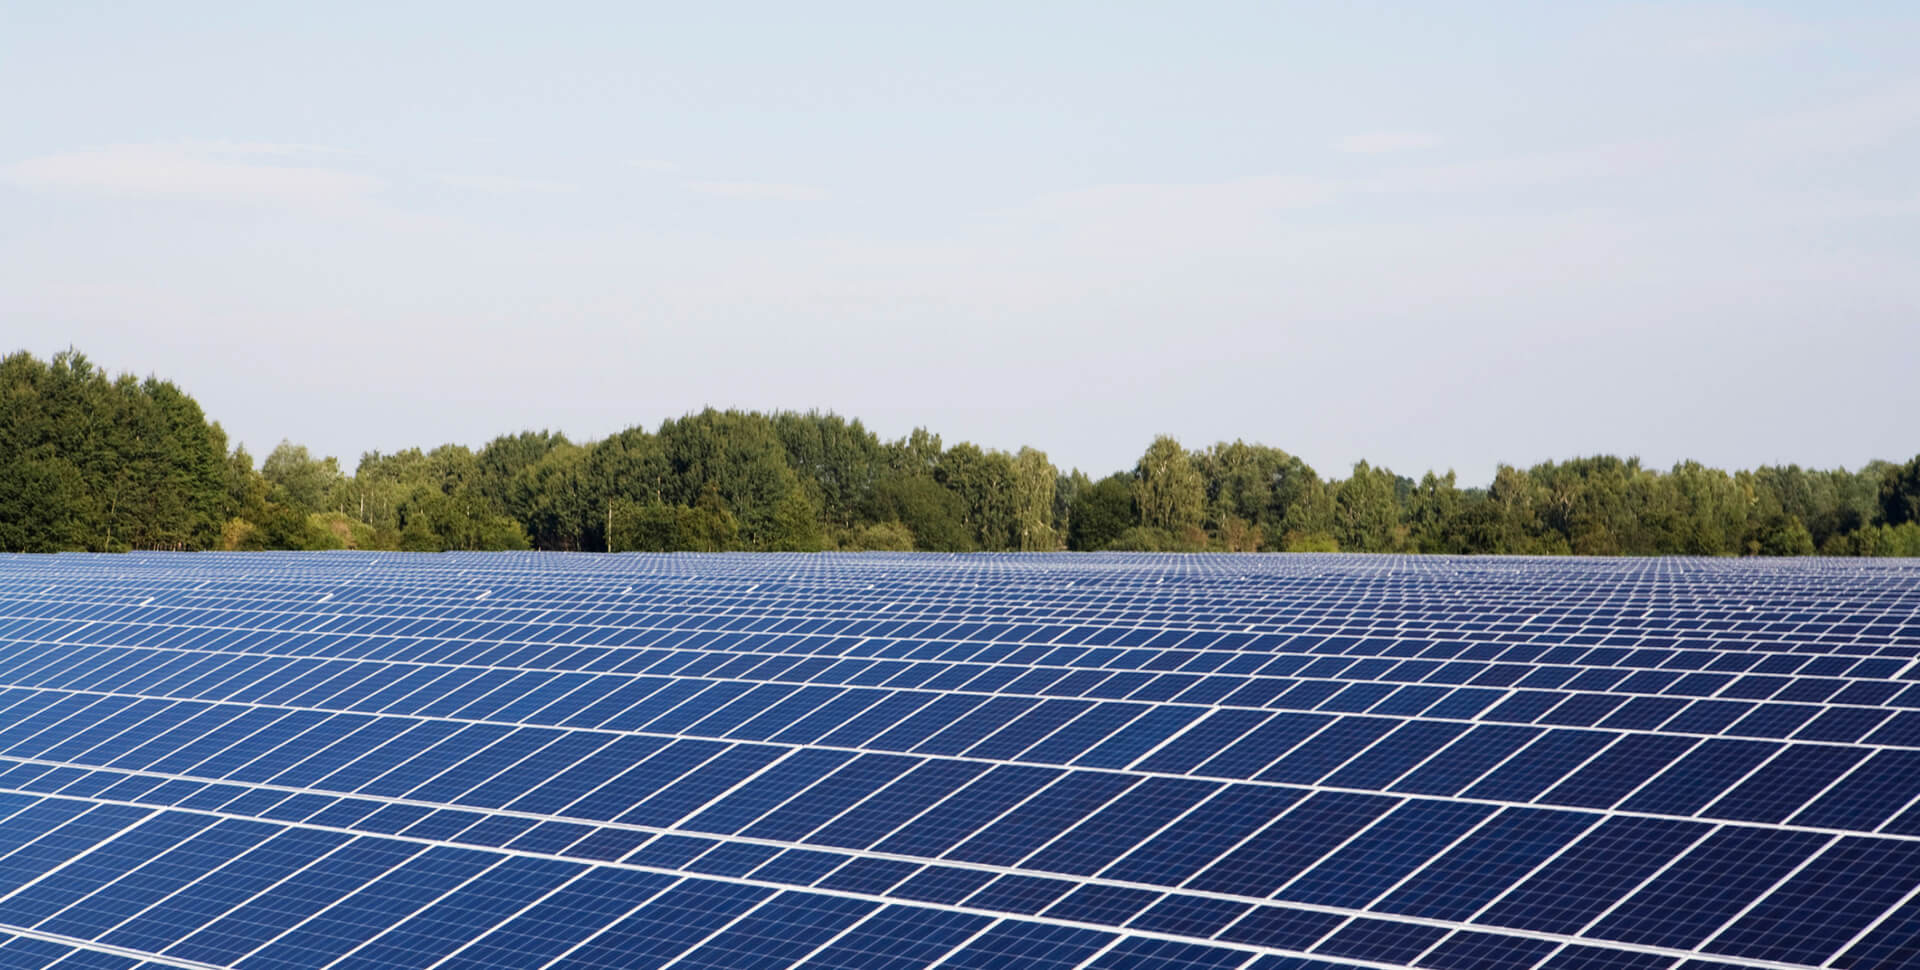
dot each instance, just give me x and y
(357, 760)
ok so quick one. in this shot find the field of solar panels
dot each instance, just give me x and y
(896, 761)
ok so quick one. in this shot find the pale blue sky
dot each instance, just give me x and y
(1426, 237)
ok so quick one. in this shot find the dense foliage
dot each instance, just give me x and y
(89, 462)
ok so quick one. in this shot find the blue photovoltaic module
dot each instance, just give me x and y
(884, 762)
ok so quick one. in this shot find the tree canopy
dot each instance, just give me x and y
(100, 463)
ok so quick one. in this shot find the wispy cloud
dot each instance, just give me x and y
(1384, 142)
(504, 184)
(774, 191)
(216, 171)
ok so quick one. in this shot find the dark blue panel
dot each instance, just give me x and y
(974, 726)
(769, 722)
(871, 876)
(1328, 750)
(644, 780)
(1391, 850)
(1540, 765)
(747, 803)
(896, 804)
(942, 884)
(1027, 730)
(965, 811)
(363, 764)
(69, 837)
(1582, 710)
(1139, 737)
(1110, 905)
(898, 938)
(780, 932)
(683, 716)
(1494, 857)
(456, 763)
(231, 885)
(1619, 770)
(1607, 863)
(95, 729)
(1825, 904)
(810, 728)
(372, 908)
(666, 926)
(195, 739)
(799, 867)
(907, 734)
(1842, 725)
(670, 851)
(1699, 777)
(1782, 786)
(1894, 943)
(1706, 717)
(1485, 951)
(515, 782)
(1263, 745)
(496, 830)
(132, 848)
(1029, 946)
(1137, 953)
(1380, 941)
(371, 733)
(1595, 958)
(550, 838)
(1457, 765)
(1643, 713)
(1080, 736)
(1041, 818)
(1396, 754)
(270, 913)
(732, 859)
(607, 845)
(565, 787)
(1020, 894)
(1203, 741)
(818, 805)
(192, 859)
(560, 920)
(1714, 881)
(874, 720)
(1196, 839)
(336, 730)
(1120, 826)
(1293, 842)
(1772, 721)
(1193, 916)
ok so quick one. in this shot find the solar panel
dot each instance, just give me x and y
(359, 760)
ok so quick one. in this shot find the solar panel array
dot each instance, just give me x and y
(896, 761)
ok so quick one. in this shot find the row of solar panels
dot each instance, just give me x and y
(1420, 655)
(370, 684)
(218, 887)
(1640, 591)
(1146, 624)
(988, 786)
(1168, 831)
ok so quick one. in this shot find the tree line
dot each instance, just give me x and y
(93, 462)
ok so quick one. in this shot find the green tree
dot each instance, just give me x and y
(298, 479)
(1900, 493)
(1101, 511)
(1034, 480)
(1435, 512)
(796, 526)
(1168, 489)
(1366, 514)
